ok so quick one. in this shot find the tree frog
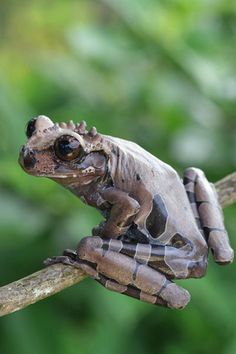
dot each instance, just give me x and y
(157, 227)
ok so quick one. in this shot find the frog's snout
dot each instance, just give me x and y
(27, 158)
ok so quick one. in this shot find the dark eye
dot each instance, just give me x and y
(68, 148)
(30, 128)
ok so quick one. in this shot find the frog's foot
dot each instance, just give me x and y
(70, 258)
(72, 254)
(208, 214)
(59, 259)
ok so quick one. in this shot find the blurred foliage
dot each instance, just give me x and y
(161, 73)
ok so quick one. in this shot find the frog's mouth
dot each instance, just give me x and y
(82, 179)
(79, 175)
(64, 176)
(72, 179)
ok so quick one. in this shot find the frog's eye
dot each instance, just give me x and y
(68, 148)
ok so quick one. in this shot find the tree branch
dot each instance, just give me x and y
(55, 278)
(226, 190)
(37, 286)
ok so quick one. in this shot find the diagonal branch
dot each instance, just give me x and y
(226, 190)
(37, 286)
(55, 278)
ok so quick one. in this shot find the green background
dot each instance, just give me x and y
(160, 73)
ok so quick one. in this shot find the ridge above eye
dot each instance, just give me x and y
(68, 148)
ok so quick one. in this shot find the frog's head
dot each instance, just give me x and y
(65, 152)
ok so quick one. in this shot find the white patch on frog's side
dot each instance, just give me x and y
(89, 169)
(40, 292)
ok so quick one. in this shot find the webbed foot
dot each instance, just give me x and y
(68, 258)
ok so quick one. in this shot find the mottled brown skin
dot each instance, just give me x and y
(157, 228)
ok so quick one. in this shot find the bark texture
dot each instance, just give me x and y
(226, 189)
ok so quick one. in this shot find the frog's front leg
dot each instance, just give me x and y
(123, 208)
(126, 275)
(208, 214)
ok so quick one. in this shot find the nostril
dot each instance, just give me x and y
(29, 159)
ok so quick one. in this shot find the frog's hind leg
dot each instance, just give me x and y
(208, 214)
(130, 291)
(178, 261)
(70, 258)
(127, 275)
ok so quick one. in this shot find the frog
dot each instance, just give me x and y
(157, 227)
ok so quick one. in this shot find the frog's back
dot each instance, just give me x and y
(129, 163)
(158, 189)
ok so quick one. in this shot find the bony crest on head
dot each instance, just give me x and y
(92, 132)
(79, 128)
(41, 124)
(38, 125)
(44, 132)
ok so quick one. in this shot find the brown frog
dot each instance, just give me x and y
(157, 227)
